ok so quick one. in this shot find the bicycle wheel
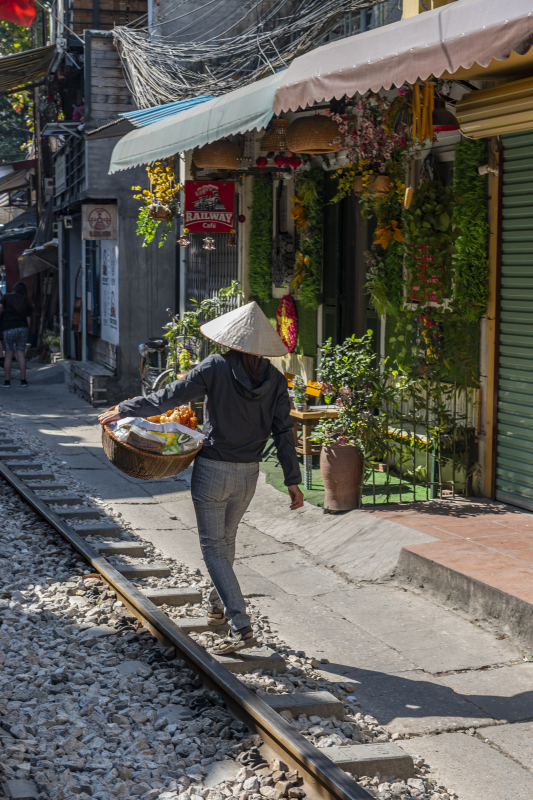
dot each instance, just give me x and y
(162, 380)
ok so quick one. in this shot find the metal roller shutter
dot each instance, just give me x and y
(514, 476)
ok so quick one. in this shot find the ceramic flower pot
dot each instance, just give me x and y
(341, 466)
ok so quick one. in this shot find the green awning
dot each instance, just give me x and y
(26, 67)
(243, 110)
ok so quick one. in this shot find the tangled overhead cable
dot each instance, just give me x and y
(158, 72)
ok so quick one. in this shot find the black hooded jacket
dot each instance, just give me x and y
(238, 419)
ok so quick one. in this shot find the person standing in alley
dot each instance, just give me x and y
(16, 311)
(246, 402)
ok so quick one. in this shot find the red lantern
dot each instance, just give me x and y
(241, 218)
(279, 160)
(294, 161)
(261, 162)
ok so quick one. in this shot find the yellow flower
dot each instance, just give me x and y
(386, 231)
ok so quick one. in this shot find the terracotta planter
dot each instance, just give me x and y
(342, 469)
(380, 185)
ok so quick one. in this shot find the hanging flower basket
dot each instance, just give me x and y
(379, 185)
(218, 155)
(161, 213)
(313, 135)
(287, 322)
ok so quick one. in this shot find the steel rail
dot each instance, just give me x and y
(322, 776)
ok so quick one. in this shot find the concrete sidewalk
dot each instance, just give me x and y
(324, 581)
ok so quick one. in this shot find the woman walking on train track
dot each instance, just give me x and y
(246, 402)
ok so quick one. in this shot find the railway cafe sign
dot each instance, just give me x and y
(209, 206)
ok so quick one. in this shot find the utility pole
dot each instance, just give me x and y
(38, 170)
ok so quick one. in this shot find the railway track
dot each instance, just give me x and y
(322, 777)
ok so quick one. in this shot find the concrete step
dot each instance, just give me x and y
(155, 570)
(65, 500)
(98, 529)
(6, 456)
(451, 572)
(323, 704)
(78, 513)
(7, 441)
(385, 760)
(9, 448)
(20, 469)
(47, 487)
(22, 473)
(256, 658)
(121, 549)
(173, 597)
(198, 625)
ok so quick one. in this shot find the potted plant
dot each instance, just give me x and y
(350, 372)
(300, 397)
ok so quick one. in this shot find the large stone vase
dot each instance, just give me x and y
(341, 466)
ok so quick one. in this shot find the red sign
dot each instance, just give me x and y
(209, 206)
(426, 294)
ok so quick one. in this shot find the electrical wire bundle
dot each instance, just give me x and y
(263, 40)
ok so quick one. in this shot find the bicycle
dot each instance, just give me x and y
(153, 375)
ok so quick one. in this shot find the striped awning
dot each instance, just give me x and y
(242, 110)
(21, 69)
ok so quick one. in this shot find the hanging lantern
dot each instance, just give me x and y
(295, 161)
(261, 162)
(231, 240)
(313, 135)
(275, 137)
(209, 243)
(242, 218)
(279, 160)
(183, 241)
(443, 120)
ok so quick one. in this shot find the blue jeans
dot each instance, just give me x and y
(221, 493)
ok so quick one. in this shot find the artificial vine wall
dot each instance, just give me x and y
(260, 256)
(470, 216)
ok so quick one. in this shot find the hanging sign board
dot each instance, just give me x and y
(109, 292)
(99, 221)
(209, 206)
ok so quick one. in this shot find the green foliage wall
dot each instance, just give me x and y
(306, 342)
(309, 293)
(260, 256)
(470, 216)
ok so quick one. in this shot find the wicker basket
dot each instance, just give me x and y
(218, 155)
(276, 136)
(380, 185)
(138, 464)
(161, 213)
(312, 134)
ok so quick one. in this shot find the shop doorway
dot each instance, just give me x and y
(207, 271)
(347, 235)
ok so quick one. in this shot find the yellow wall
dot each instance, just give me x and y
(413, 7)
(490, 396)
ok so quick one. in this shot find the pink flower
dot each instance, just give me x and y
(402, 90)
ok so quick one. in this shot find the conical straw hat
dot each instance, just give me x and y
(246, 329)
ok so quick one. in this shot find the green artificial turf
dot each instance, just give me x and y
(375, 489)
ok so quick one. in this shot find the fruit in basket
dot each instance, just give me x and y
(182, 415)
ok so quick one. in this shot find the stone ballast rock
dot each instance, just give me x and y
(80, 718)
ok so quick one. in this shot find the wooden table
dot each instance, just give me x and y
(308, 420)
